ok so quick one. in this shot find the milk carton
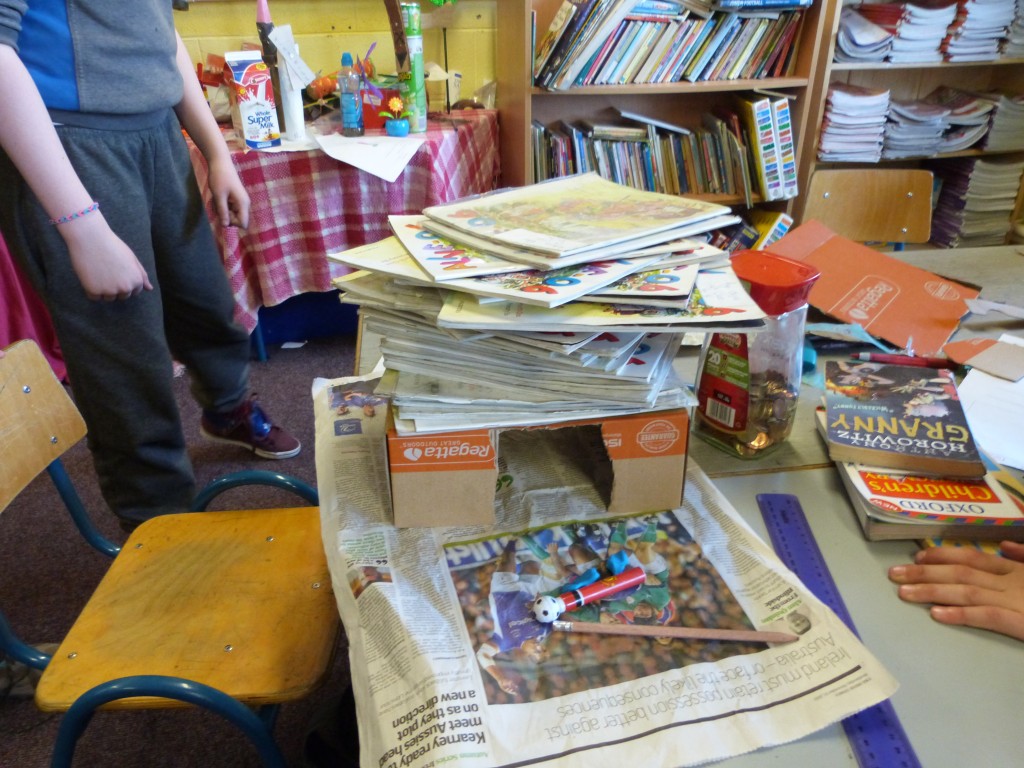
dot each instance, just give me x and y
(253, 110)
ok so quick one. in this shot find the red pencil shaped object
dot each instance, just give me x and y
(920, 362)
(546, 608)
(683, 633)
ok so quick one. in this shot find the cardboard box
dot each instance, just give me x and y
(449, 478)
(890, 299)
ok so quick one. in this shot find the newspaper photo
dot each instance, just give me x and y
(450, 664)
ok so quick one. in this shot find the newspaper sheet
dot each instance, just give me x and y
(449, 666)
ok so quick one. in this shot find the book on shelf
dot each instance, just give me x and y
(565, 42)
(602, 23)
(558, 27)
(894, 505)
(782, 124)
(900, 417)
(760, 5)
(770, 225)
(756, 114)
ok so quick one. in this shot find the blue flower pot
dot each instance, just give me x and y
(397, 127)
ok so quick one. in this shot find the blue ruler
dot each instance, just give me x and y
(875, 734)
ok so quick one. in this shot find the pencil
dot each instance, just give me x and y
(920, 362)
(683, 633)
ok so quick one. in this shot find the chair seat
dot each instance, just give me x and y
(143, 617)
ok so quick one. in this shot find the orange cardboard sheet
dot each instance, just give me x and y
(908, 307)
(999, 358)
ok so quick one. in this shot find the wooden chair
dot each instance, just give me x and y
(872, 205)
(232, 611)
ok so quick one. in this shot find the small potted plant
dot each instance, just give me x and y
(396, 121)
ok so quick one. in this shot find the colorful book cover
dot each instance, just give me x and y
(565, 41)
(572, 215)
(782, 122)
(756, 114)
(559, 25)
(441, 258)
(900, 417)
(717, 301)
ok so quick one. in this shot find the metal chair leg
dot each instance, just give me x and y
(78, 717)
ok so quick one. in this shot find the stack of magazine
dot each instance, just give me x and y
(906, 456)
(562, 300)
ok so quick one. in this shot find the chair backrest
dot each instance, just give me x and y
(872, 205)
(38, 419)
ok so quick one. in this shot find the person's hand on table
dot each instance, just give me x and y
(968, 587)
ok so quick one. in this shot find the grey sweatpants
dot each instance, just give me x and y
(119, 354)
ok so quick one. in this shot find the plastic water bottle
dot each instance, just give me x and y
(350, 86)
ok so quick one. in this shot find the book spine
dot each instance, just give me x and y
(783, 124)
(757, 116)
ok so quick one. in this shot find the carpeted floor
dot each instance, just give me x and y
(49, 572)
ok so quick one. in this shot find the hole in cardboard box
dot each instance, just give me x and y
(558, 459)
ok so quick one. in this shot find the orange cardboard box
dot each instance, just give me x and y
(890, 299)
(449, 478)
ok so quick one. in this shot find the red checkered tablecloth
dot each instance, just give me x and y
(307, 204)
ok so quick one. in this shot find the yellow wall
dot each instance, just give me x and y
(324, 29)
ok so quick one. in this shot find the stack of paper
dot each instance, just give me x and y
(968, 117)
(1013, 43)
(565, 299)
(1006, 129)
(978, 30)
(915, 129)
(918, 27)
(976, 201)
(853, 127)
(859, 39)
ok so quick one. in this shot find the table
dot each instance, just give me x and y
(23, 314)
(941, 669)
(306, 204)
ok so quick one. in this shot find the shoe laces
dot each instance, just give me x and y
(258, 420)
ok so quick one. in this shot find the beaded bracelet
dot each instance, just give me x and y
(75, 215)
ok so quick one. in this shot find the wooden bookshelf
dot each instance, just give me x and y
(905, 81)
(681, 103)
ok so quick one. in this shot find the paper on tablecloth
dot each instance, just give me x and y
(383, 156)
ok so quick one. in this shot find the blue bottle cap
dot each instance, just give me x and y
(346, 59)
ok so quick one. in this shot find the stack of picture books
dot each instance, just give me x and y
(565, 299)
(904, 451)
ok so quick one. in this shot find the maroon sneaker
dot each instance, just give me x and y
(249, 427)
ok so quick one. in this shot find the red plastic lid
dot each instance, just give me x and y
(776, 284)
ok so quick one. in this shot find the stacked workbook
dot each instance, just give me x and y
(914, 129)
(904, 450)
(561, 300)
(969, 117)
(853, 127)
(861, 40)
(976, 201)
(918, 28)
(978, 30)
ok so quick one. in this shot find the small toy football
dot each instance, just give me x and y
(547, 609)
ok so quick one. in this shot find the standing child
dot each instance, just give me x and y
(100, 207)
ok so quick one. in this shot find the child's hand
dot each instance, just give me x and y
(968, 587)
(106, 267)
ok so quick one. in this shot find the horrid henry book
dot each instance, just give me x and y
(900, 417)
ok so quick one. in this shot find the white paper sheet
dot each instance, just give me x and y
(383, 156)
(995, 411)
